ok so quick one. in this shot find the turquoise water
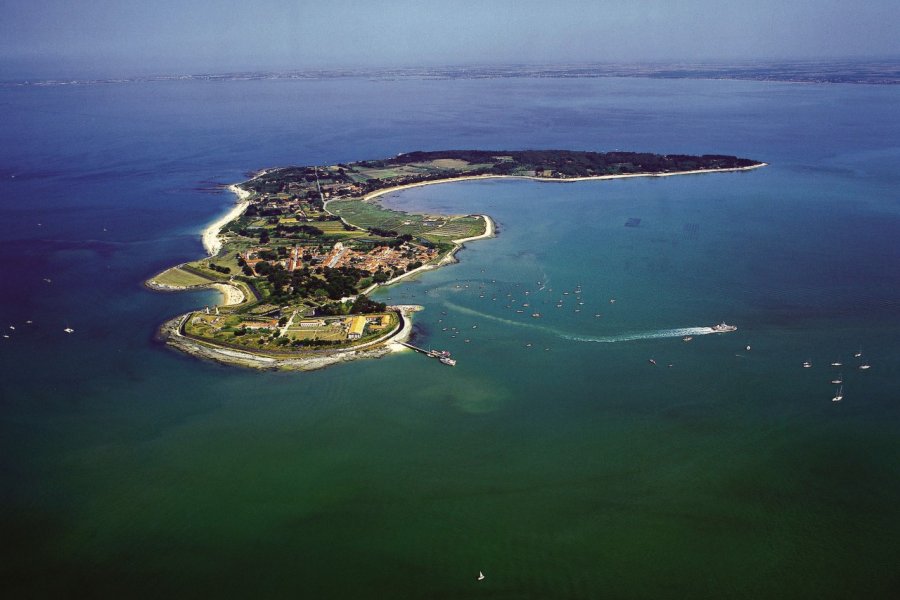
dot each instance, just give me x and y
(554, 458)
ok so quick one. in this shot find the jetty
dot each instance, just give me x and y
(441, 355)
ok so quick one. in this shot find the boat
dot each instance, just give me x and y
(838, 380)
(723, 328)
(69, 330)
(838, 395)
(651, 361)
(806, 364)
(857, 354)
(687, 338)
(837, 364)
(865, 366)
(536, 315)
(747, 348)
(480, 575)
(447, 361)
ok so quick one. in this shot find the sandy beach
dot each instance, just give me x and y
(407, 186)
(231, 294)
(211, 242)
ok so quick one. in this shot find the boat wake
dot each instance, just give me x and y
(642, 335)
(605, 339)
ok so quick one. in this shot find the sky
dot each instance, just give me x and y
(123, 36)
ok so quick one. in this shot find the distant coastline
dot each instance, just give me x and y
(407, 186)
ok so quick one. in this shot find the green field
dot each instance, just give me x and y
(439, 227)
(178, 277)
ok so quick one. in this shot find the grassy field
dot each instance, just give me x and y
(178, 277)
(432, 227)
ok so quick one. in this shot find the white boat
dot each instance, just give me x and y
(838, 380)
(687, 338)
(838, 395)
(806, 364)
(447, 361)
(480, 575)
(865, 366)
(69, 330)
(723, 328)
(837, 364)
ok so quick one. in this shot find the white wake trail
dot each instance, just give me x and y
(606, 339)
(642, 335)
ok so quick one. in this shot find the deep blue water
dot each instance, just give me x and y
(567, 468)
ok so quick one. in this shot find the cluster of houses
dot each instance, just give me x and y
(385, 258)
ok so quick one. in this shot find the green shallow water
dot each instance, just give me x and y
(554, 458)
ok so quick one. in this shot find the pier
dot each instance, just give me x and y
(441, 355)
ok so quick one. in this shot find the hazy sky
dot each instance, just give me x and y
(186, 35)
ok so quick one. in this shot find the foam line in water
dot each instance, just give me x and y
(475, 313)
(642, 335)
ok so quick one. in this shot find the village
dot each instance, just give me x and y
(388, 259)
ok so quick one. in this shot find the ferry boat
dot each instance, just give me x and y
(723, 328)
(447, 361)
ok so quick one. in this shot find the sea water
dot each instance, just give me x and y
(555, 457)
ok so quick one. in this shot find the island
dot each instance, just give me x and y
(297, 257)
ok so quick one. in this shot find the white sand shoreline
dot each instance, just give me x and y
(211, 242)
(377, 193)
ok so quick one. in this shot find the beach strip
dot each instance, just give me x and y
(211, 242)
(377, 193)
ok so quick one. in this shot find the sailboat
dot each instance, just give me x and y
(839, 380)
(838, 395)
(480, 575)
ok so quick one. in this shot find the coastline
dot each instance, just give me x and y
(382, 192)
(231, 294)
(211, 242)
(449, 258)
